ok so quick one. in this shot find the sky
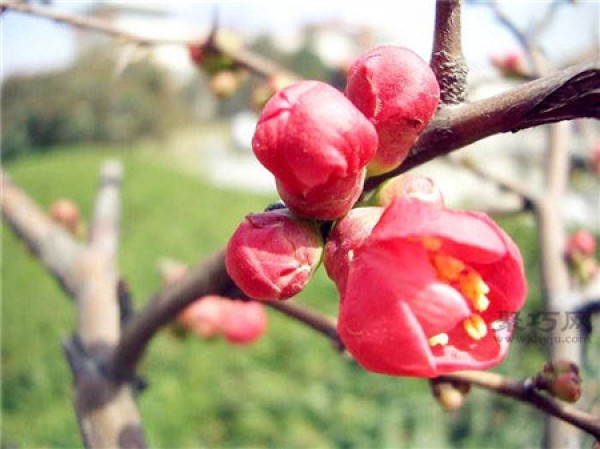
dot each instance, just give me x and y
(31, 44)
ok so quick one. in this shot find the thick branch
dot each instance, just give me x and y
(447, 60)
(53, 245)
(571, 93)
(208, 277)
(106, 410)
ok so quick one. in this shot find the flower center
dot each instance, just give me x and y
(467, 281)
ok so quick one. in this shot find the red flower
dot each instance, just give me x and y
(398, 93)
(272, 255)
(310, 136)
(244, 322)
(431, 291)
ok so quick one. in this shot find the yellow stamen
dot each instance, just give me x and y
(439, 339)
(475, 327)
(448, 268)
(431, 243)
(472, 287)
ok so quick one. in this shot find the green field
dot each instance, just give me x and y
(290, 389)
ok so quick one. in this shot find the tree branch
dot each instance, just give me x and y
(207, 277)
(525, 392)
(447, 60)
(242, 57)
(568, 94)
(106, 410)
(54, 247)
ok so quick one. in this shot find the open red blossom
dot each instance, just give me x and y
(431, 291)
(272, 255)
(398, 93)
(310, 135)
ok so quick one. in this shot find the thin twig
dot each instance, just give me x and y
(242, 57)
(508, 185)
(524, 392)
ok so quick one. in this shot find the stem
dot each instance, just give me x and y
(447, 60)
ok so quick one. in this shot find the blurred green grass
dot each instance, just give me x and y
(288, 390)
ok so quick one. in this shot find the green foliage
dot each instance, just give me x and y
(87, 103)
(288, 390)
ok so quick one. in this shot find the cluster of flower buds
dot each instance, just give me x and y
(560, 379)
(240, 322)
(424, 290)
(580, 252)
(225, 76)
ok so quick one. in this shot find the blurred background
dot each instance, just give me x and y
(74, 97)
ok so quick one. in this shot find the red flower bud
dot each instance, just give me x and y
(309, 136)
(327, 202)
(346, 237)
(244, 322)
(272, 255)
(204, 316)
(65, 213)
(196, 53)
(581, 242)
(398, 93)
(431, 291)
(407, 186)
(511, 64)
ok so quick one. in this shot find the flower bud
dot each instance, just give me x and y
(561, 379)
(244, 322)
(225, 83)
(328, 202)
(272, 255)
(65, 213)
(348, 235)
(398, 93)
(309, 136)
(511, 64)
(450, 395)
(204, 317)
(409, 186)
(581, 242)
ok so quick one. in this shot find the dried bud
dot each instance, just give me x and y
(272, 255)
(560, 379)
(398, 92)
(409, 186)
(450, 395)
